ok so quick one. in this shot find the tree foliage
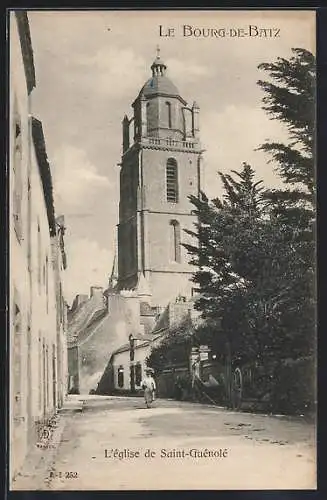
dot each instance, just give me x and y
(174, 348)
(255, 247)
(243, 263)
(289, 96)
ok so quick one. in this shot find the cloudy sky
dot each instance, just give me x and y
(89, 68)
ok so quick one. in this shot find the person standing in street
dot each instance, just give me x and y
(149, 386)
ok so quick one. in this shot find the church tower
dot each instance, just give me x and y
(160, 168)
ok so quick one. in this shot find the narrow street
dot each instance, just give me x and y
(100, 443)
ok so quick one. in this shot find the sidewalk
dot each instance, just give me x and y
(38, 463)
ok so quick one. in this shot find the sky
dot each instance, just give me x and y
(91, 65)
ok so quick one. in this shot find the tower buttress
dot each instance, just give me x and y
(125, 125)
(143, 117)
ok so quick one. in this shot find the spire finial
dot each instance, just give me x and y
(158, 52)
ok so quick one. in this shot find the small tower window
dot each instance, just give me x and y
(138, 374)
(168, 114)
(172, 181)
(188, 122)
(175, 241)
(121, 376)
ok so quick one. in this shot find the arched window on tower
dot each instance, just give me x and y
(168, 114)
(188, 122)
(172, 181)
(175, 241)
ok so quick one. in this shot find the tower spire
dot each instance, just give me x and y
(114, 274)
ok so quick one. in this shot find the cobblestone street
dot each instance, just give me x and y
(100, 443)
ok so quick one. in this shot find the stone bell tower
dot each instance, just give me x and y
(160, 169)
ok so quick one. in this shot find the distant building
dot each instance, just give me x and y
(37, 383)
(97, 326)
(124, 374)
(84, 315)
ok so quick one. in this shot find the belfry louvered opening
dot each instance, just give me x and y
(172, 181)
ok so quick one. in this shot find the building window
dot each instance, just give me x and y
(17, 174)
(47, 376)
(172, 181)
(61, 312)
(44, 376)
(168, 114)
(132, 377)
(17, 361)
(138, 374)
(131, 348)
(54, 376)
(188, 122)
(63, 309)
(39, 272)
(148, 117)
(47, 281)
(175, 241)
(40, 371)
(121, 376)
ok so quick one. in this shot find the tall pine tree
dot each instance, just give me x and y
(289, 96)
(230, 257)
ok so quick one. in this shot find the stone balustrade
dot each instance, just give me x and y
(170, 143)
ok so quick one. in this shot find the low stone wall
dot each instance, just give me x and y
(121, 392)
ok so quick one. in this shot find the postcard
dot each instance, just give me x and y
(162, 271)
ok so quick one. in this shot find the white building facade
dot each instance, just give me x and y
(127, 372)
(37, 383)
(22, 81)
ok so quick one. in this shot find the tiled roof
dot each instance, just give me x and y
(84, 319)
(26, 45)
(45, 172)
